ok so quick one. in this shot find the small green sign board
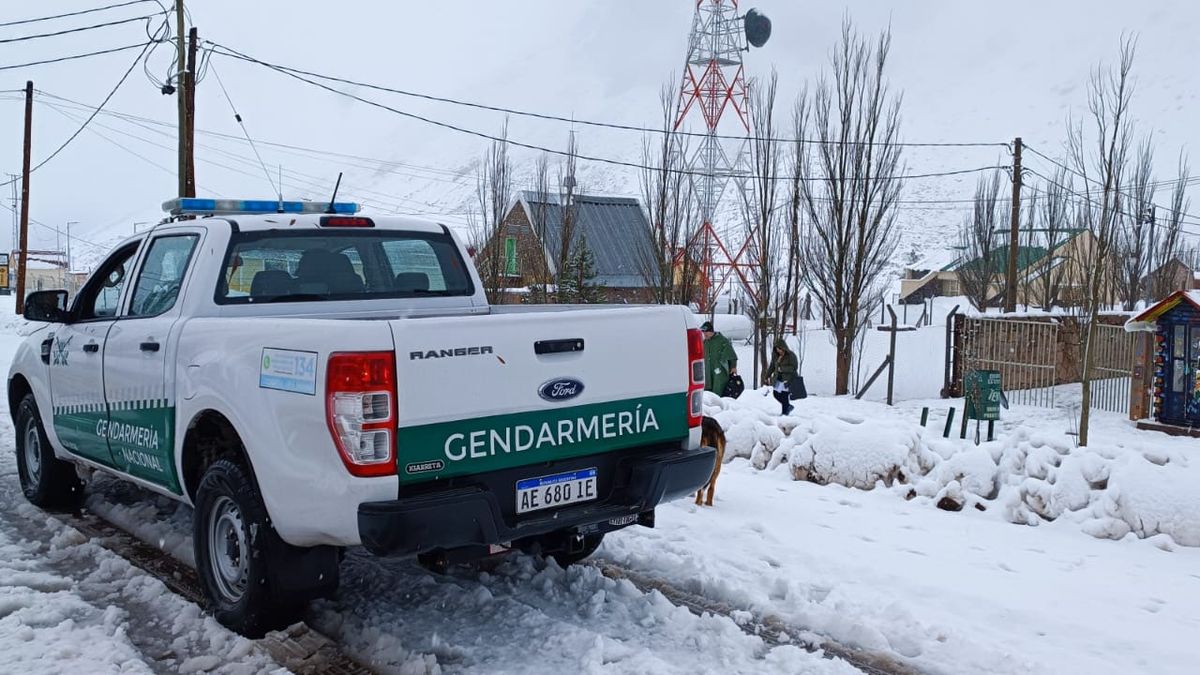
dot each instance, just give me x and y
(984, 394)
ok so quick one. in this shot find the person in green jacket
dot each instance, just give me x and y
(720, 361)
(780, 372)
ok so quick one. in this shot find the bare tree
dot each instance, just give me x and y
(760, 208)
(977, 236)
(568, 213)
(535, 253)
(667, 264)
(1101, 160)
(1030, 243)
(1165, 244)
(797, 168)
(493, 191)
(850, 199)
(1131, 237)
(1054, 221)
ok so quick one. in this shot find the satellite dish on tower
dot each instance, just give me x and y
(758, 28)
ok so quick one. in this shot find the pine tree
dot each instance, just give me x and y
(576, 283)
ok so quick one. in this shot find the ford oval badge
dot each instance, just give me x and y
(560, 389)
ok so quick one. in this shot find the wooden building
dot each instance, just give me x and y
(1165, 393)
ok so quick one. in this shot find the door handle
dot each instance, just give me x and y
(91, 348)
(149, 346)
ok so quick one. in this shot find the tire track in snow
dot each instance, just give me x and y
(771, 629)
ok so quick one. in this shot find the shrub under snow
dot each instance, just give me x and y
(1029, 475)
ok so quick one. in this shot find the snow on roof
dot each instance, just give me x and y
(937, 260)
(1147, 320)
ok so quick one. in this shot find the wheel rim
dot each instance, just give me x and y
(33, 453)
(228, 551)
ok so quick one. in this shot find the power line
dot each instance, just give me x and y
(322, 154)
(1188, 180)
(69, 14)
(232, 53)
(72, 57)
(99, 108)
(564, 153)
(51, 228)
(80, 29)
(246, 133)
(952, 205)
(1087, 199)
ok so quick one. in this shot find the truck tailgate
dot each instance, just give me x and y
(485, 393)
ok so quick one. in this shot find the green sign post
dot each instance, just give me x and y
(984, 394)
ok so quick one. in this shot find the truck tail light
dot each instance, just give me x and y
(360, 408)
(695, 341)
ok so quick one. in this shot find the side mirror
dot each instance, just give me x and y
(46, 306)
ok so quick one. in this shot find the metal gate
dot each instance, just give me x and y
(1025, 353)
(1112, 368)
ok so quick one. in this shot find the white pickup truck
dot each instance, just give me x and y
(309, 381)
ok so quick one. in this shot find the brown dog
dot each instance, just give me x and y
(712, 436)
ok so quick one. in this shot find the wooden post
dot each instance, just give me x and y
(23, 256)
(181, 96)
(189, 80)
(949, 423)
(891, 356)
(949, 350)
(1014, 236)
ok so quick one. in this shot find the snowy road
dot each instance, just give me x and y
(69, 605)
(520, 616)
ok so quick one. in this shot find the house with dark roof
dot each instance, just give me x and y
(1063, 271)
(530, 241)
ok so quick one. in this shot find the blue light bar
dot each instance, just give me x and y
(197, 207)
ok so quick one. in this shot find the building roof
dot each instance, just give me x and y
(615, 229)
(1147, 319)
(998, 259)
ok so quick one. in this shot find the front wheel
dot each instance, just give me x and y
(235, 547)
(47, 481)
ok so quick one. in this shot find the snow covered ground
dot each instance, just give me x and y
(1079, 561)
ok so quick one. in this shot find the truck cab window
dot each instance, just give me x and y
(161, 275)
(102, 294)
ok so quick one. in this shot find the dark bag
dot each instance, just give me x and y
(734, 387)
(796, 388)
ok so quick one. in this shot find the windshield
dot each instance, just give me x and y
(309, 266)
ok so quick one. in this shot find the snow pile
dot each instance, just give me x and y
(1130, 482)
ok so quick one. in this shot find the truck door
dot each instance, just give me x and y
(139, 363)
(79, 413)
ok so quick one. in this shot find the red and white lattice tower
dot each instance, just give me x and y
(714, 89)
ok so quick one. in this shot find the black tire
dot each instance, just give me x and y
(47, 481)
(237, 576)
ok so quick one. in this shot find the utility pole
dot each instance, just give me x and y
(1152, 213)
(24, 254)
(1014, 237)
(189, 80)
(69, 224)
(181, 94)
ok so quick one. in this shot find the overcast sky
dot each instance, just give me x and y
(969, 71)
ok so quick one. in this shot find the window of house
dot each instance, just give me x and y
(510, 256)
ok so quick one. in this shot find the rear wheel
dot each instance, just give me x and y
(236, 550)
(47, 481)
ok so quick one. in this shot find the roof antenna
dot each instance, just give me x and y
(334, 197)
(280, 188)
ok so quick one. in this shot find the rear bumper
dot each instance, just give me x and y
(473, 515)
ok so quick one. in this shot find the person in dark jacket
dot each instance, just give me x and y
(784, 366)
(720, 361)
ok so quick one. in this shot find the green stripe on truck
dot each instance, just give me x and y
(470, 446)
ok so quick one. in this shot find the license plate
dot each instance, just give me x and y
(561, 488)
